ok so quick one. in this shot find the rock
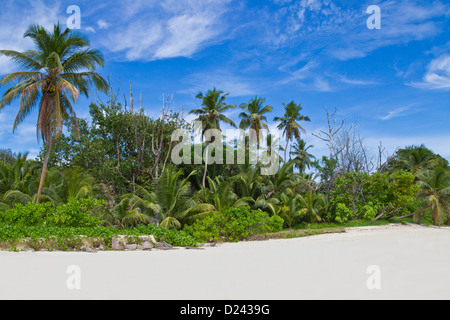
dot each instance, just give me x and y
(159, 245)
(207, 245)
(101, 248)
(144, 238)
(87, 249)
(147, 245)
(131, 247)
(152, 239)
(118, 243)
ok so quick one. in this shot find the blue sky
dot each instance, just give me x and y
(394, 82)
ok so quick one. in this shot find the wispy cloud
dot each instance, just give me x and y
(13, 24)
(165, 29)
(437, 76)
(398, 112)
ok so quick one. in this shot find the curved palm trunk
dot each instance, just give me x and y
(44, 171)
(206, 168)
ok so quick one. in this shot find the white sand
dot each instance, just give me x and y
(414, 262)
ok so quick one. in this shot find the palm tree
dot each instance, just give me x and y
(303, 158)
(172, 202)
(289, 208)
(211, 114)
(435, 186)
(415, 159)
(59, 69)
(253, 116)
(313, 206)
(290, 123)
(123, 215)
(221, 195)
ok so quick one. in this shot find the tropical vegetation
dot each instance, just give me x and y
(112, 173)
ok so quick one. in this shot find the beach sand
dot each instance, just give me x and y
(411, 262)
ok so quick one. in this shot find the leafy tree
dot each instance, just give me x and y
(302, 157)
(7, 156)
(220, 194)
(211, 114)
(173, 201)
(289, 123)
(314, 206)
(58, 70)
(416, 158)
(435, 192)
(253, 116)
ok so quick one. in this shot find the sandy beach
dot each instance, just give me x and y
(413, 262)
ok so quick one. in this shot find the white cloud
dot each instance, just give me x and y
(13, 24)
(438, 74)
(102, 24)
(166, 29)
(395, 113)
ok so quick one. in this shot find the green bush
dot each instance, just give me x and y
(234, 225)
(75, 213)
(69, 238)
(342, 214)
(364, 196)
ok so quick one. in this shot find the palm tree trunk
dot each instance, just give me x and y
(206, 168)
(285, 151)
(44, 171)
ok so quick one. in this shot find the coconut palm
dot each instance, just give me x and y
(212, 114)
(123, 215)
(313, 206)
(253, 116)
(282, 180)
(415, 159)
(289, 208)
(172, 202)
(435, 193)
(220, 194)
(19, 176)
(303, 159)
(290, 123)
(59, 69)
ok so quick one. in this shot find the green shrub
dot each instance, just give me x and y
(342, 214)
(69, 238)
(234, 225)
(75, 213)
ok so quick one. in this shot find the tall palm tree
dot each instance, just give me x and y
(302, 157)
(253, 116)
(211, 114)
(435, 186)
(290, 123)
(59, 69)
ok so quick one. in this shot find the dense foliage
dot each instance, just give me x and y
(234, 225)
(112, 173)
